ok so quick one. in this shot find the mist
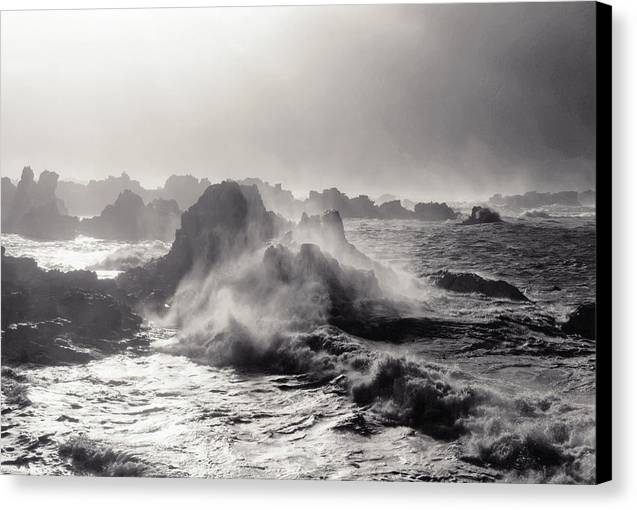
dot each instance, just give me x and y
(427, 102)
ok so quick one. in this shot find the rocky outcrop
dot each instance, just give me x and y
(472, 283)
(482, 215)
(185, 189)
(227, 221)
(581, 321)
(433, 211)
(393, 210)
(128, 219)
(90, 199)
(56, 317)
(533, 199)
(33, 210)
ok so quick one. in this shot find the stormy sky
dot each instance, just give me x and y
(427, 102)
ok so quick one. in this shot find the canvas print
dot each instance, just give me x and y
(326, 242)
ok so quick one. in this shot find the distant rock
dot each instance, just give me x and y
(533, 199)
(582, 321)
(472, 283)
(482, 215)
(536, 214)
(90, 199)
(33, 210)
(433, 211)
(55, 317)
(185, 189)
(393, 210)
(588, 198)
(128, 219)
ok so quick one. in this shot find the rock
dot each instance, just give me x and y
(533, 199)
(582, 321)
(588, 198)
(482, 215)
(32, 209)
(57, 313)
(227, 221)
(393, 210)
(536, 214)
(185, 189)
(433, 211)
(91, 199)
(470, 283)
(128, 219)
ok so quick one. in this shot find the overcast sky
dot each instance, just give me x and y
(438, 101)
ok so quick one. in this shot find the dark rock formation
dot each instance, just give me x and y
(582, 321)
(533, 199)
(482, 215)
(50, 316)
(536, 214)
(470, 283)
(185, 189)
(393, 210)
(128, 219)
(227, 220)
(275, 198)
(33, 210)
(433, 211)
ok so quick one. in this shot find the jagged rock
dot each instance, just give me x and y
(128, 219)
(33, 210)
(50, 316)
(470, 283)
(226, 221)
(582, 321)
(185, 189)
(433, 211)
(482, 215)
(91, 199)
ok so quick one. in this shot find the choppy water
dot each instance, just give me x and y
(166, 415)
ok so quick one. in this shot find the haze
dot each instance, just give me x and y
(430, 102)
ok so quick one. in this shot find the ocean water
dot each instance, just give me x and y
(523, 399)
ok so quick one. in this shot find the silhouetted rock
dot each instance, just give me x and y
(56, 317)
(227, 221)
(275, 198)
(185, 189)
(582, 321)
(533, 199)
(433, 211)
(90, 199)
(482, 215)
(393, 210)
(33, 210)
(128, 219)
(470, 283)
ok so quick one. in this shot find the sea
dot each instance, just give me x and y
(524, 398)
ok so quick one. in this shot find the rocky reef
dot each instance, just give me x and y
(128, 219)
(533, 199)
(582, 321)
(482, 215)
(472, 283)
(434, 211)
(33, 210)
(55, 317)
